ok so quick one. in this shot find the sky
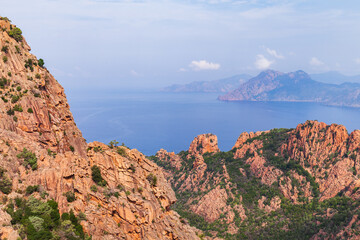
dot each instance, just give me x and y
(143, 44)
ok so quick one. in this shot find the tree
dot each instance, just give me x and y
(29, 158)
(113, 143)
(15, 33)
(96, 176)
(41, 62)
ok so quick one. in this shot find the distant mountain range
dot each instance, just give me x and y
(217, 86)
(334, 77)
(294, 87)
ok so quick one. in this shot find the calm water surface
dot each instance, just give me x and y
(150, 121)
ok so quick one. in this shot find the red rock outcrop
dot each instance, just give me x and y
(273, 205)
(246, 136)
(31, 86)
(173, 159)
(204, 143)
(329, 153)
(134, 204)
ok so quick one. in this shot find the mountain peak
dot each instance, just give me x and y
(270, 73)
(295, 86)
(298, 75)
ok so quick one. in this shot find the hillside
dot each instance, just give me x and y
(53, 185)
(300, 183)
(294, 87)
(217, 86)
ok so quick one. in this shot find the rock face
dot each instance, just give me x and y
(205, 143)
(29, 86)
(329, 153)
(264, 174)
(246, 136)
(134, 204)
(209, 200)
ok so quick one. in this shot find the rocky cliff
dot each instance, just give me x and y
(300, 183)
(117, 193)
(272, 185)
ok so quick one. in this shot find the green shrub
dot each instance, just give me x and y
(5, 19)
(5, 49)
(5, 59)
(132, 168)
(3, 82)
(70, 196)
(15, 98)
(37, 76)
(15, 33)
(29, 158)
(30, 110)
(18, 108)
(82, 216)
(29, 64)
(93, 188)
(72, 148)
(96, 176)
(152, 179)
(10, 112)
(5, 183)
(113, 144)
(41, 220)
(98, 149)
(121, 151)
(41, 62)
(31, 189)
(17, 49)
(18, 88)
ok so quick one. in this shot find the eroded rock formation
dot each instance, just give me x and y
(135, 201)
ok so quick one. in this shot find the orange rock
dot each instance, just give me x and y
(135, 204)
(205, 143)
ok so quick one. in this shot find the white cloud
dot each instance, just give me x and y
(262, 62)
(134, 73)
(357, 60)
(314, 61)
(183, 70)
(274, 53)
(204, 65)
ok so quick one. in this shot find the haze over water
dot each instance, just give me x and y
(149, 121)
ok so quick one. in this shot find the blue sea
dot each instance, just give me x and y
(149, 121)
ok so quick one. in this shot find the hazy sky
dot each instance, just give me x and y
(122, 44)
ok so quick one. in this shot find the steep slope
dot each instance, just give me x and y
(25, 85)
(107, 192)
(217, 86)
(298, 183)
(294, 87)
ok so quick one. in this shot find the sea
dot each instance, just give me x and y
(149, 121)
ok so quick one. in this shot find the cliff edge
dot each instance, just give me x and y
(107, 192)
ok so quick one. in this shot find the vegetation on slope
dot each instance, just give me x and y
(300, 220)
(36, 219)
